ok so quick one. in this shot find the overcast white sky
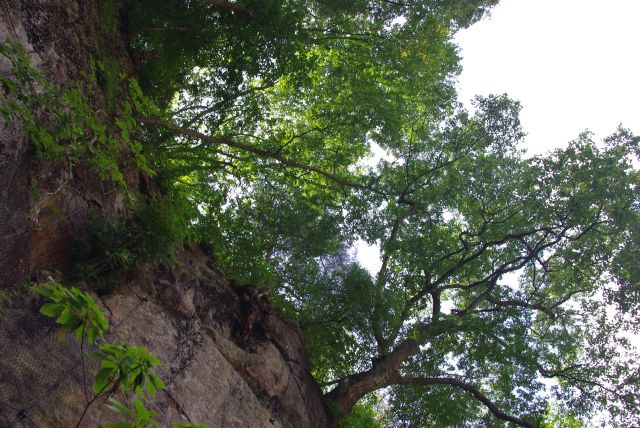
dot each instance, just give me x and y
(573, 64)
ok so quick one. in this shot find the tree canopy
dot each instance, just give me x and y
(508, 286)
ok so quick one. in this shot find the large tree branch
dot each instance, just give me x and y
(520, 304)
(468, 258)
(548, 309)
(430, 288)
(215, 107)
(162, 30)
(266, 154)
(571, 374)
(350, 389)
(473, 390)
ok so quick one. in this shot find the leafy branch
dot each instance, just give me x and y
(123, 368)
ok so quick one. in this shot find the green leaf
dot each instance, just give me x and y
(45, 290)
(66, 317)
(140, 409)
(91, 335)
(189, 425)
(151, 389)
(52, 310)
(103, 378)
(119, 408)
(156, 381)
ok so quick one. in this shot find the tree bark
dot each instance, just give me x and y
(347, 393)
(385, 371)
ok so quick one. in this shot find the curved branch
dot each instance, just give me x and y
(492, 276)
(161, 30)
(567, 373)
(221, 141)
(473, 390)
(384, 371)
(332, 382)
(522, 304)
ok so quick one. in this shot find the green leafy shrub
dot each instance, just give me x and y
(128, 368)
(189, 425)
(109, 77)
(74, 310)
(136, 416)
(123, 368)
(162, 226)
(153, 233)
(62, 123)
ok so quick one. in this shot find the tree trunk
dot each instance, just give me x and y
(384, 372)
(347, 393)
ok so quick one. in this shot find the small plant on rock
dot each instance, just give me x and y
(123, 368)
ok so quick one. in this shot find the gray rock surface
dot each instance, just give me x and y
(214, 372)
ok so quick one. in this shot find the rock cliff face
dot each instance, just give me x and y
(229, 359)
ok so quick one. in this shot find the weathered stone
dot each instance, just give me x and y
(210, 378)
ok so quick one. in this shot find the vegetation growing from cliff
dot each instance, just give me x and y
(298, 127)
(69, 129)
(124, 369)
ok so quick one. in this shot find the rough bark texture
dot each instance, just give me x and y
(229, 359)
